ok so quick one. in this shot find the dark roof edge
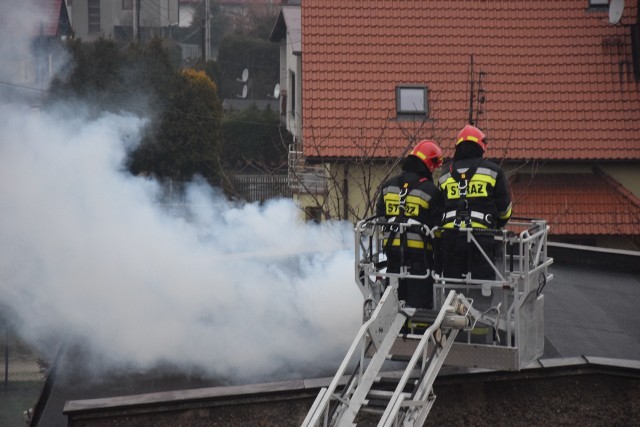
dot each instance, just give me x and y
(311, 386)
(604, 251)
(604, 258)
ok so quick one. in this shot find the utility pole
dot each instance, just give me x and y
(207, 33)
(136, 21)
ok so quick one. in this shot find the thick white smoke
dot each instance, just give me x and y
(87, 254)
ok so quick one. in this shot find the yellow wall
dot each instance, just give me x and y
(627, 175)
(363, 182)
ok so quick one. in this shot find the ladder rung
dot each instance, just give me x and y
(409, 336)
(374, 404)
(398, 358)
(378, 410)
(391, 383)
(425, 316)
(385, 394)
(376, 398)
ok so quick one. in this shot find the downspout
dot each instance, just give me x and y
(345, 192)
(635, 48)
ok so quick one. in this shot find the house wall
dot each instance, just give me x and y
(153, 13)
(291, 65)
(362, 182)
(628, 175)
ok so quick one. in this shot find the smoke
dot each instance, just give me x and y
(87, 253)
(88, 256)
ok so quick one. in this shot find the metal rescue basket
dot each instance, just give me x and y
(494, 324)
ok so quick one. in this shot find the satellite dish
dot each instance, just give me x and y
(616, 7)
(245, 75)
(244, 91)
(276, 90)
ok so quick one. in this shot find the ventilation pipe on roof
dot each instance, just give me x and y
(345, 189)
(635, 48)
(477, 95)
(471, 92)
(616, 11)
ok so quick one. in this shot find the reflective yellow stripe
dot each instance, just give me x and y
(416, 244)
(476, 177)
(447, 182)
(418, 201)
(419, 154)
(469, 138)
(473, 225)
(484, 178)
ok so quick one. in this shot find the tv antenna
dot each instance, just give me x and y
(616, 8)
(245, 76)
(245, 90)
(244, 79)
(276, 92)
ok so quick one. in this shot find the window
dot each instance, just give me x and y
(127, 4)
(283, 102)
(599, 3)
(292, 79)
(313, 213)
(93, 7)
(411, 100)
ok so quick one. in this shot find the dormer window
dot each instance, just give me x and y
(411, 101)
(598, 4)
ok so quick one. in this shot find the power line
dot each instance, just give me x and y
(23, 86)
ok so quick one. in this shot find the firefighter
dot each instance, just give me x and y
(476, 195)
(412, 196)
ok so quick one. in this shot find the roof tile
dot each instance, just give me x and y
(49, 14)
(577, 204)
(550, 68)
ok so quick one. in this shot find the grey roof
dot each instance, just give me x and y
(243, 104)
(288, 25)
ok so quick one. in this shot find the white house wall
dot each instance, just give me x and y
(153, 13)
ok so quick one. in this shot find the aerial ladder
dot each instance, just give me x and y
(387, 375)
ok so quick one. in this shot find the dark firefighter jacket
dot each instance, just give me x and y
(421, 203)
(488, 198)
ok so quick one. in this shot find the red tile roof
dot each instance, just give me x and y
(577, 204)
(49, 13)
(559, 78)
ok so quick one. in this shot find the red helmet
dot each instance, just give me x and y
(429, 153)
(473, 134)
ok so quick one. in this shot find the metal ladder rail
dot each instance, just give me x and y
(347, 415)
(385, 319)
(415, 411)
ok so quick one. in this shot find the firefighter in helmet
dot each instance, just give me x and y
(408, 197)
(476, 195)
